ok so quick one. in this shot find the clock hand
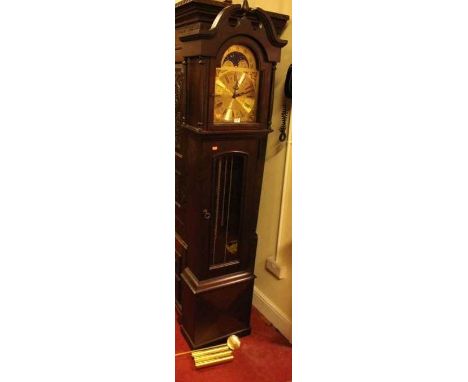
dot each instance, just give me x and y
(246, 108)
(228, 114)
(236, 86)
(241, 94)
(242, 79)
(223, 86)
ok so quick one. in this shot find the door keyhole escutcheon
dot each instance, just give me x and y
(206, 214)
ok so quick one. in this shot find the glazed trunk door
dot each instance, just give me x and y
(227, 190)
(226, 207)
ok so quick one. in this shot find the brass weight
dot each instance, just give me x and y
(215, 355)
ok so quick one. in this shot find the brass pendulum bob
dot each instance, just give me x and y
(215, 355)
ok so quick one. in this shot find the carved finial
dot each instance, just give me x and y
(245, 5)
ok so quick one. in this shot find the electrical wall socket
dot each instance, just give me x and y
(274, 268)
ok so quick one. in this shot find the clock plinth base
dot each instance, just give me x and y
(219, 340)
(215, 309)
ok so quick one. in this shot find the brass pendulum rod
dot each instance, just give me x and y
(183, 353)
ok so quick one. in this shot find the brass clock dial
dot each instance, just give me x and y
(236, 87)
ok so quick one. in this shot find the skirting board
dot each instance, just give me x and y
(272, 313)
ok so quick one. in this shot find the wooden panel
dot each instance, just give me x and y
(177, 263)
(177, 289)
(180, 181)
(179, 83)
(181, 251)
(197, 91)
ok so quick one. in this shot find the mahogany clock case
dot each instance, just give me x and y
(219, 167)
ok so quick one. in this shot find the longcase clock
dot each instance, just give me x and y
(225, 65)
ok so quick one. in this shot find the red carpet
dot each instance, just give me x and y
(264, 356)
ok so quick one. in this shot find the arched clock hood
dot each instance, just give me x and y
(236, 20)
